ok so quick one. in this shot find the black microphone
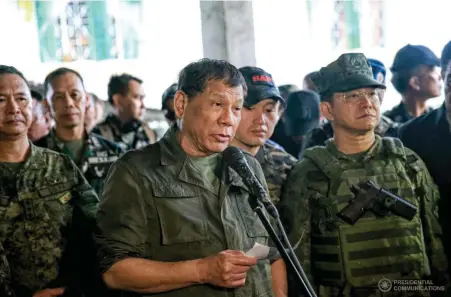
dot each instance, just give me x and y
(236, 160)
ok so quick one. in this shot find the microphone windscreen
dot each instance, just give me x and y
(234, 157)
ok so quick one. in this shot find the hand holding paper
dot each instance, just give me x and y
(258, 251)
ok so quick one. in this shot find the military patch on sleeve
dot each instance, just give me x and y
(65, 197)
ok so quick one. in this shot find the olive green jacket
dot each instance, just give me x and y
(157, 206)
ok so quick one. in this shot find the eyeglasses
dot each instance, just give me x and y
(353, 97)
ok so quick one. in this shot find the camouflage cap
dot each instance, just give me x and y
(260, 86)
(349, 72)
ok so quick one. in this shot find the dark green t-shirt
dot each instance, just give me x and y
(75, 147)
(14, 166)
(208, 166)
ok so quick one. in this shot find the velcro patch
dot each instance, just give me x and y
(65, 197)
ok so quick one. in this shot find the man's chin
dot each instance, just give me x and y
(69, 125)
(218, 147)
(13, 133)
(365, 129)
(360, 129)
(255, 141)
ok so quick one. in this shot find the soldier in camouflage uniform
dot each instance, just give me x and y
(186, 222)
(262, 109)
(349, 260)
(125, 126)
(67, 99)
(47, 208)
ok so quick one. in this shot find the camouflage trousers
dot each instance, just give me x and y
(5, 275)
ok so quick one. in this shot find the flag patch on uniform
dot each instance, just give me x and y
(65, 197)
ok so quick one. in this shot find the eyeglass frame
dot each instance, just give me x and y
(363, 94)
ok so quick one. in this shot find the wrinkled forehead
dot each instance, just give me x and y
(13, 82)
(218, 89)
(66, 82)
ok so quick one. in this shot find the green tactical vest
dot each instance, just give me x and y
(374, 247)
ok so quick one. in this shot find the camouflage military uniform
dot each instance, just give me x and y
(320, 134)
(276, 164)
(350, 260)
(5, 275)
(399, 113)
(171, 214)
(97, 157)
(133, 135)
(47, 212)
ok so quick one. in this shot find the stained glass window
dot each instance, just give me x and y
(73, 31)
(346, 26)
(377, 19)
(83, 30)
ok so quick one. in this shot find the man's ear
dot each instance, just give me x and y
(49, 106)
(414, 83)
(326, 110)
(116, 99)
(88, 102)
(180, 103)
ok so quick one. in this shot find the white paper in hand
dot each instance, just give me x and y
(258, 251)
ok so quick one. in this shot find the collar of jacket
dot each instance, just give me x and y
(263, 155)
(120, 127)
(60, 144)
(35, 158)
(371, 152)
(172, 154)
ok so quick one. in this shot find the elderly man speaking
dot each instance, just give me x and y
(174, 218)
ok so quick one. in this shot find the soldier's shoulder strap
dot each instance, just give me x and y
(406, 159)
(393, 147)
(324, 161)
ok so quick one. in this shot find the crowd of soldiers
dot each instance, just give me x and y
(105, 207)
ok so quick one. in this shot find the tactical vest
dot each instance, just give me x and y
(374, 247)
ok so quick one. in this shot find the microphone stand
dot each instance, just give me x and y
(290, 260)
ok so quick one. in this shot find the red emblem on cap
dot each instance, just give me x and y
(259, 78)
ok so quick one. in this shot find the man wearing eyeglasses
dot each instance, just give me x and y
(344, 259)
(386, 127)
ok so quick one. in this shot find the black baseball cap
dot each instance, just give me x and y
(411, 56)
(302, 113)
(446, 56)
(260, 85)
(168, 94)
